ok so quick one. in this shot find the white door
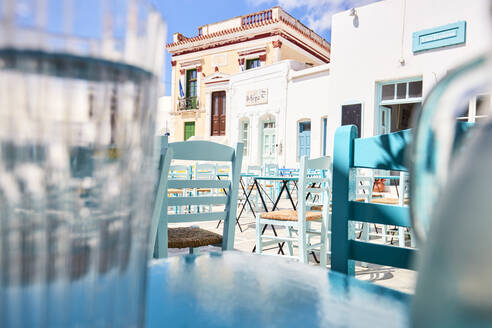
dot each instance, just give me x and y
(268, 143)
(384, 120)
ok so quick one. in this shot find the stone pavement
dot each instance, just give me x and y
(399, 279)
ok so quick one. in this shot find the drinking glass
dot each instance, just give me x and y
(451, 208)
(78, 91)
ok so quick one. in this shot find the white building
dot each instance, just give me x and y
(309, 91)
(258, 112)
(386, 57)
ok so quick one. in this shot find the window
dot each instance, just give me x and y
(189, 130)
(398, 102)
(244, 136)
(191, 89)
(477, 110)
(191, 83)
(352, 114)
(401, 90)
(252, 63)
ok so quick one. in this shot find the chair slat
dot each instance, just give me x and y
(380, 213)
(320, 163)
(184, 184)
(383, 254)
(311, 180)
(205, 200)
(386, 151)
(202, 151)
(316, 190)
(197, 217)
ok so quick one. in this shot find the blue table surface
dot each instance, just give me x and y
(234, 289)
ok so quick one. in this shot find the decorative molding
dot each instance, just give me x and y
(241, 61)
(182, 71)
(253, 51)
(263, 58)
(277, 44)
(199, 69)
(216, 68)
(191, 63)
(173, 63)
(321, 56)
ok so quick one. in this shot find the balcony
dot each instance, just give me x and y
(188, 103)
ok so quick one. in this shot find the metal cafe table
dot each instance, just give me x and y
(243, 185)
(234, 289)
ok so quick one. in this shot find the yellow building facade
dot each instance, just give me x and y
(202, 65)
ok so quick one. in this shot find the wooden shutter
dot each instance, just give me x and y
(218, 113)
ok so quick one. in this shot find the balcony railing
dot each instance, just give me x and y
(188, 103)
(256, 18)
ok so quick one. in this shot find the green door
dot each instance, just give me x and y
(189, 130)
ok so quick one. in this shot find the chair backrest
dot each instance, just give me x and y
(288, 172)
(385, 152)
(254, 169)
(270, 169)
(182, 172)
(315, 182)
(196, 151)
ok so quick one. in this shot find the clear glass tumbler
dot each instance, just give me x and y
(78, 90)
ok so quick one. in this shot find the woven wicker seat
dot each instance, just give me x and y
(387, 201)
(317, 208)
(192, 237)
(175, 191)
(290, 215)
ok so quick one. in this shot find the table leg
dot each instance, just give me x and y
(290, 196)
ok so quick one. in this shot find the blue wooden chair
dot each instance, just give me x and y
(299, 221)
(163, 237)
(380, 152)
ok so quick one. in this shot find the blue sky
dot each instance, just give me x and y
(185, 16)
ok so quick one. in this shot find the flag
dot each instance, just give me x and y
(181, 92)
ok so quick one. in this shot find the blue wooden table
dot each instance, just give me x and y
(234, 289)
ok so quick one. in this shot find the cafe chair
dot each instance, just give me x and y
(224, 206)
(299, 221)
(380, 152)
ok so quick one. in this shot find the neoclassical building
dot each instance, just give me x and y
(202, 65)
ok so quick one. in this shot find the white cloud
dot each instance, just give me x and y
(317, 12)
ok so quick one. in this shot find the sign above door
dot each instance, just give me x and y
(257, 97)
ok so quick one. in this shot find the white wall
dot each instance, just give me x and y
(308, 93)
(370, 51)
(163, 117)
